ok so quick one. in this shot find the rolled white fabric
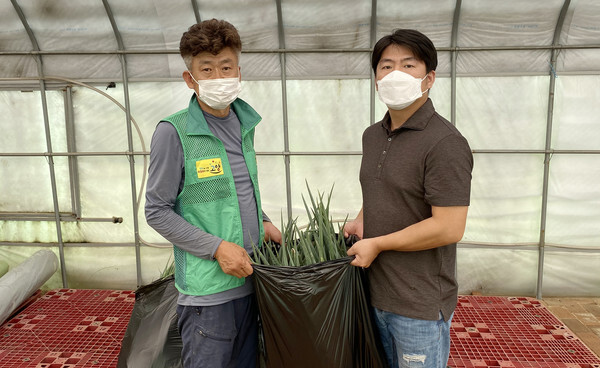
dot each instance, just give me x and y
(21, 282)
(3, 268)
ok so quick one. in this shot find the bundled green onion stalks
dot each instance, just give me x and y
(318, 242)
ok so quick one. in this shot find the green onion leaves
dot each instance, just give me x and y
(317, 242)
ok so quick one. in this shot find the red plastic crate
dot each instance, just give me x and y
(513, 332)
(67, 328)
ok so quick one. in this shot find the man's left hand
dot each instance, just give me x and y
(271, 232)
(365, 252)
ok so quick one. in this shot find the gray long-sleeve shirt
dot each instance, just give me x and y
(165, 182)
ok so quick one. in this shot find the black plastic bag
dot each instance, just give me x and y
(316, 316)
(152, 338)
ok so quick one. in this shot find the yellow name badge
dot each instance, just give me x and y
(208, 168)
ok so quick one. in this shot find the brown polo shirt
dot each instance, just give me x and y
(426, 162)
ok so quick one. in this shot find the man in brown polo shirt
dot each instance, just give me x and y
(416, 180)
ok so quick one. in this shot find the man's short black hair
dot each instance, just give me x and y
(420, 45)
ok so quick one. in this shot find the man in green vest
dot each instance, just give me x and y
(203, 197)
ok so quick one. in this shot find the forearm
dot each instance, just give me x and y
(423, 235)
(359, 217)
(444, 227)
(181, 233)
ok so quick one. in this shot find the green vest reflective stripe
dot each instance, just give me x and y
(209, 198)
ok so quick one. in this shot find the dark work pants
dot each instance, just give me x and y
(220, 336)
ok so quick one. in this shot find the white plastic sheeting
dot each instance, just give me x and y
(23, 280)
(80, 26)
(503, 81)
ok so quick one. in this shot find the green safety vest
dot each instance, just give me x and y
(209, 198)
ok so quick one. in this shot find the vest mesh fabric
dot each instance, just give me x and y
(196, 147)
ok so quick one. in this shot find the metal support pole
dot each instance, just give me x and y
(552, 152)
(138, 263)
(53, 178)
(286, 136)
(547, 155)
(297, 51)
(196, 10)
(453, 58)
(50, 159)
(373, 37)
(71, 148)
(135, 203)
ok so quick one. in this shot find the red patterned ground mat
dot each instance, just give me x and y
(70, 328)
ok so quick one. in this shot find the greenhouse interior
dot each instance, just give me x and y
(84, 84)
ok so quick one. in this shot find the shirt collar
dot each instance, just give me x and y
(418, 120)
(196, 124)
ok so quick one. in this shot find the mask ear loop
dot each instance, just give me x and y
(422, 93)
(194, 79)
(197, 93)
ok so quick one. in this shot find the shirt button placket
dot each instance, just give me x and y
(382, 157)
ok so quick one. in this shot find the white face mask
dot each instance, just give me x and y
(398, 90)
(218, 93)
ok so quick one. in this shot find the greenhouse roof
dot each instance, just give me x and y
(484, 34)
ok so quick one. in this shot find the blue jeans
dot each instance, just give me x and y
(220, 336)
(410, 343)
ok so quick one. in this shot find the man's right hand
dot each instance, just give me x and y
(233, 259)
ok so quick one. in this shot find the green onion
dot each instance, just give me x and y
(318, 242)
